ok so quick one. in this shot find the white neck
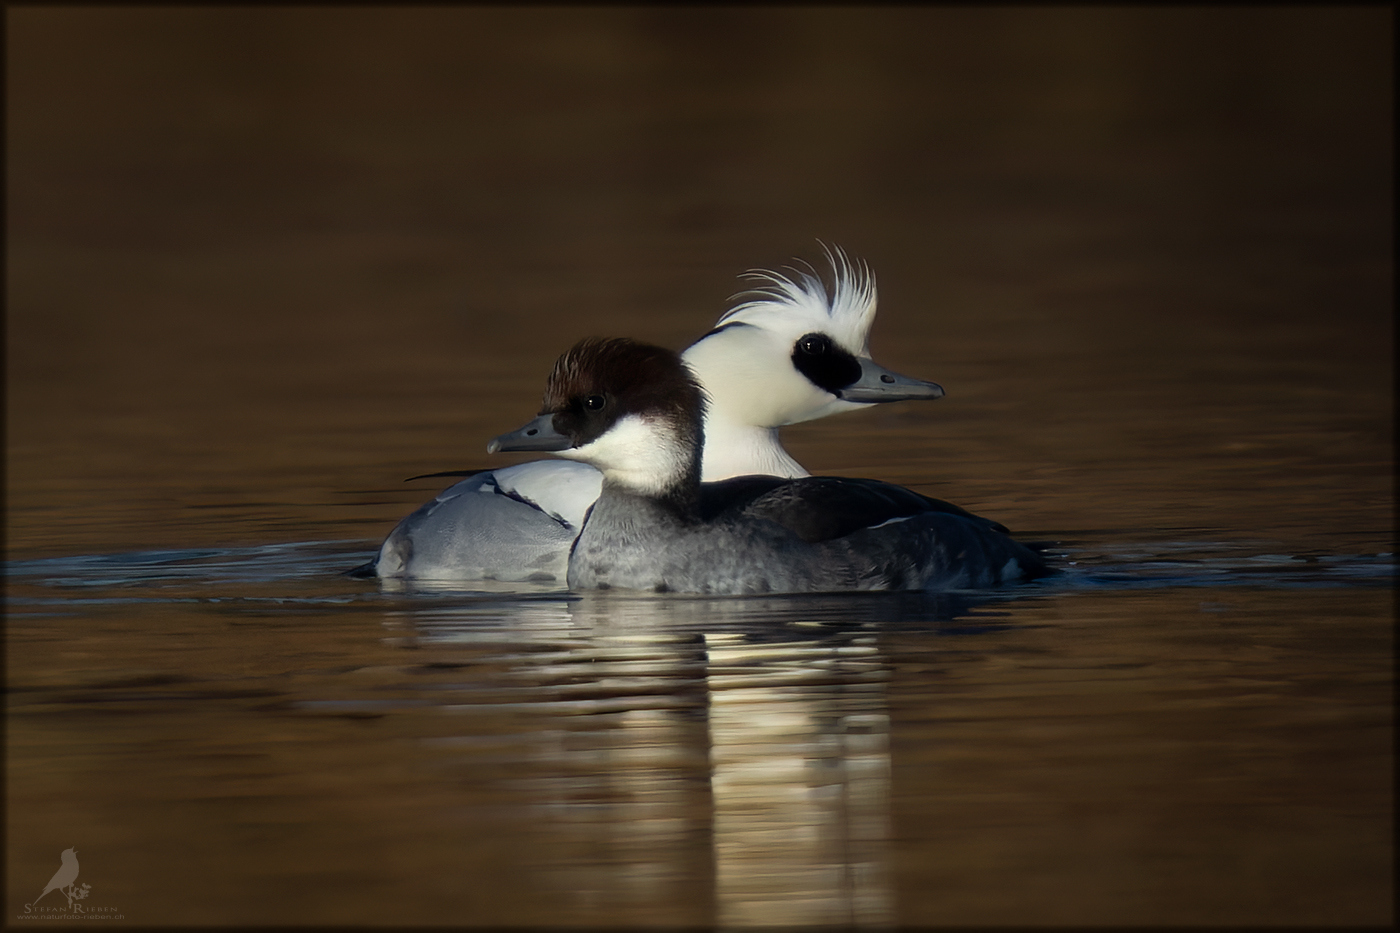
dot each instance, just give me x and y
(741, 449)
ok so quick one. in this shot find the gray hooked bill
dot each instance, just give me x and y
(877, 384)
(537, 435)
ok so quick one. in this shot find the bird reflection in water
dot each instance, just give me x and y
(713, 761)
(799, 750)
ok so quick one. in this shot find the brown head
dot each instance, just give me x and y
(633, 410)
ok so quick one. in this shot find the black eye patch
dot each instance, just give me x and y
(825, 364)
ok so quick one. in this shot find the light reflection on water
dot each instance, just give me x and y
(772, 750)
(775, 748)
(800, 779)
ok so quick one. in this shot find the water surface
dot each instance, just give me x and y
(264, 264)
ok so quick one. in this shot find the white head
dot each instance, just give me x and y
(794, 352)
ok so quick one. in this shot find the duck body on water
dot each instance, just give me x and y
(636, 413)
(793, 352)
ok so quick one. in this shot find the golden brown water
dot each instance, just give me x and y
(264, 264)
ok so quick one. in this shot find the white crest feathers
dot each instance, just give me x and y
(847, 313)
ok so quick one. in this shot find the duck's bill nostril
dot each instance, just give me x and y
(539, 434)
(877, 384)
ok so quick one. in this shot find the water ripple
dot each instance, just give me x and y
(243, 575)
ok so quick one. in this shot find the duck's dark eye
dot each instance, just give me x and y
(594, 402)
(824, 362)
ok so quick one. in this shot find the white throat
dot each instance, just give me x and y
(646, 455)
